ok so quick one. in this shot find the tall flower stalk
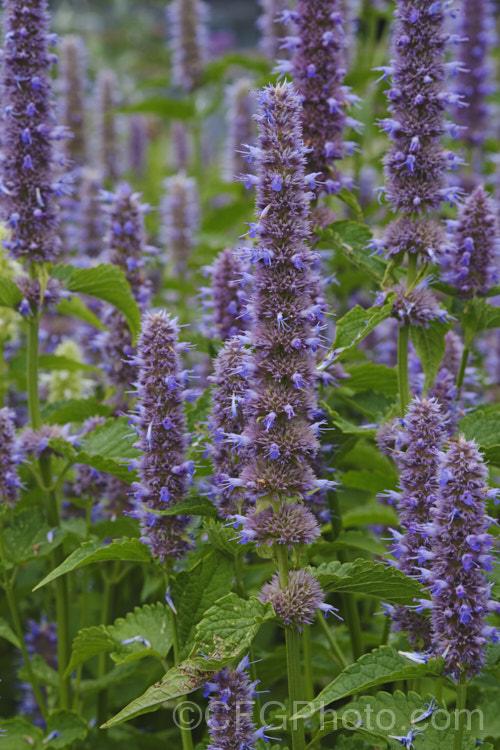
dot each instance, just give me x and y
(187, 21)
(73, 90)
(106, 128)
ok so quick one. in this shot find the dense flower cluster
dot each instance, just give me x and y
(291, 525)
(107, 159)
(188, 41)
(318, 68)
(461, 556)
(229, 397)
(230, 708)
(471, 263)
(138, 145)
(28, 184)
(225, 297)
(422, 435)
(272, 27)
(297, 602)
(126, 248)
(415, 306)
(180, 218)
(240, 108)
(416, 162)
(164, 472)
(9, 458)
(286, 321)
(476, 75)
(73, 98)
(90, 219)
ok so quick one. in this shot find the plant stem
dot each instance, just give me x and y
(460, 713)
(308, 673)
(339, 656)
(107, 599)
(52, 517)
(16, 621)
(403, 341)
(468, 338)
(187, 740)
(350, 606)
(295, 683)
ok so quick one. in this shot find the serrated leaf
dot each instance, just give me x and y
(69, 726)
(178, 681)
(105, 282)
(360, 540)
(26, 536)
(131, 550)
(357, 324)
(196, 590)
(368, 578)
(222, 539)
(430, 344)
(150, 626)
(8, 634)
(10, 296)
(75, 307)
(228, 629)
(479, 315)
(74, 410)
(163, 106)
(384, 665)
(88, 643)
(372, 377)
(351, 239)
(483, 426)
(20, 735)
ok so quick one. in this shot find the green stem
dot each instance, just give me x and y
(187, 739)
(63, 644)
(387, 631)
(350, 607)
(403, 342)
(292, 639)
(308, 672)
(468, 339)
(16, 621)
(336, 650)
(106, 608)
(460, 713)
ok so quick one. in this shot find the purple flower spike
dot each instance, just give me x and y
(416, 306)
(475, 72)
(272, 27)
(28, 184)
(180, 218)
(284, 312)
(471, 263)
(90, 219)
(73, 98)
(107, 149)
(230, 708)
(240, 106)
(422, 434)
(227, 296)
(164, 472)
(297, 603)
(127, 250)
(318, 68)
(138, 145)
(9, 458)
(292, 524)
(461, 547)
(188, 40)
(230, 381)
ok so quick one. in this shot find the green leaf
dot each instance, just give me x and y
(384, 665)
(387, 715)
(215, 70)
(351, 239)
(26, 536)
(151, 625)
(54, 362)
(347, 427)
(10, 296)
(352, 540)
(74, 410)
(370, 514)
(370, 481)
(350, 200)
(228, 629)
(131, 550)
(222, 539)
(189, 506)
(8, 634)
(69, 726)
(88, 643)
(20, 735)
(105, 282)
(430, 345)
(369, 578)
(483, 426)
(77, 308)
(163, 106)
(480, 316)
(357, 324)
(371, 377)
(178, 681)
(196, 590)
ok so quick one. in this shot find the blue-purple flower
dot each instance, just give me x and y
(73, 91)
(29, 185)
(9, 458)
(240, 108)
(180, 218)
(187, 21)
(461, 557)
(298, 601)
(164, 472)
(107, 157)
(225, 299)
